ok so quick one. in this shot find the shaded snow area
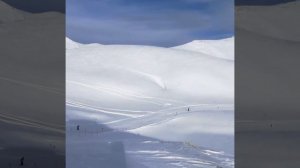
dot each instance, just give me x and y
(95, 145)
(148, 107)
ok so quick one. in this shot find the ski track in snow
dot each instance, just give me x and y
(166, 157)
(157, 80)
(108, 109)
(138, 119)
(85, 107)
(125, 94)
(117, 92)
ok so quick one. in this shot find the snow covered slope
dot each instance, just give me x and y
(223, 48)
(146, 76)
(95, 147)
(142, 88)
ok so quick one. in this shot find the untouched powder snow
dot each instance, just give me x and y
(146, 94)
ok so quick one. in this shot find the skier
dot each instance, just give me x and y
(188, 109)
(77, 127)
(22, 161)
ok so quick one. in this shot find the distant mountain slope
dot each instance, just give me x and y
(162, 76)
(223, 48)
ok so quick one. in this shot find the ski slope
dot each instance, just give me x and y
(133, 89)
(91, 146)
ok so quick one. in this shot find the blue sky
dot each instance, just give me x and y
(149, 22)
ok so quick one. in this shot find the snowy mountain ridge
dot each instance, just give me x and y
(222, 48)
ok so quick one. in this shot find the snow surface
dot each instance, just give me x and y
(222, 48)
(91, 147)
(142, 94)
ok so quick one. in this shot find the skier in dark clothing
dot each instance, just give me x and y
(77, 127)
(188, 109)
(22, 161)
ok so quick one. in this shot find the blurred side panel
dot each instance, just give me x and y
(32, 85)
(267, 111)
